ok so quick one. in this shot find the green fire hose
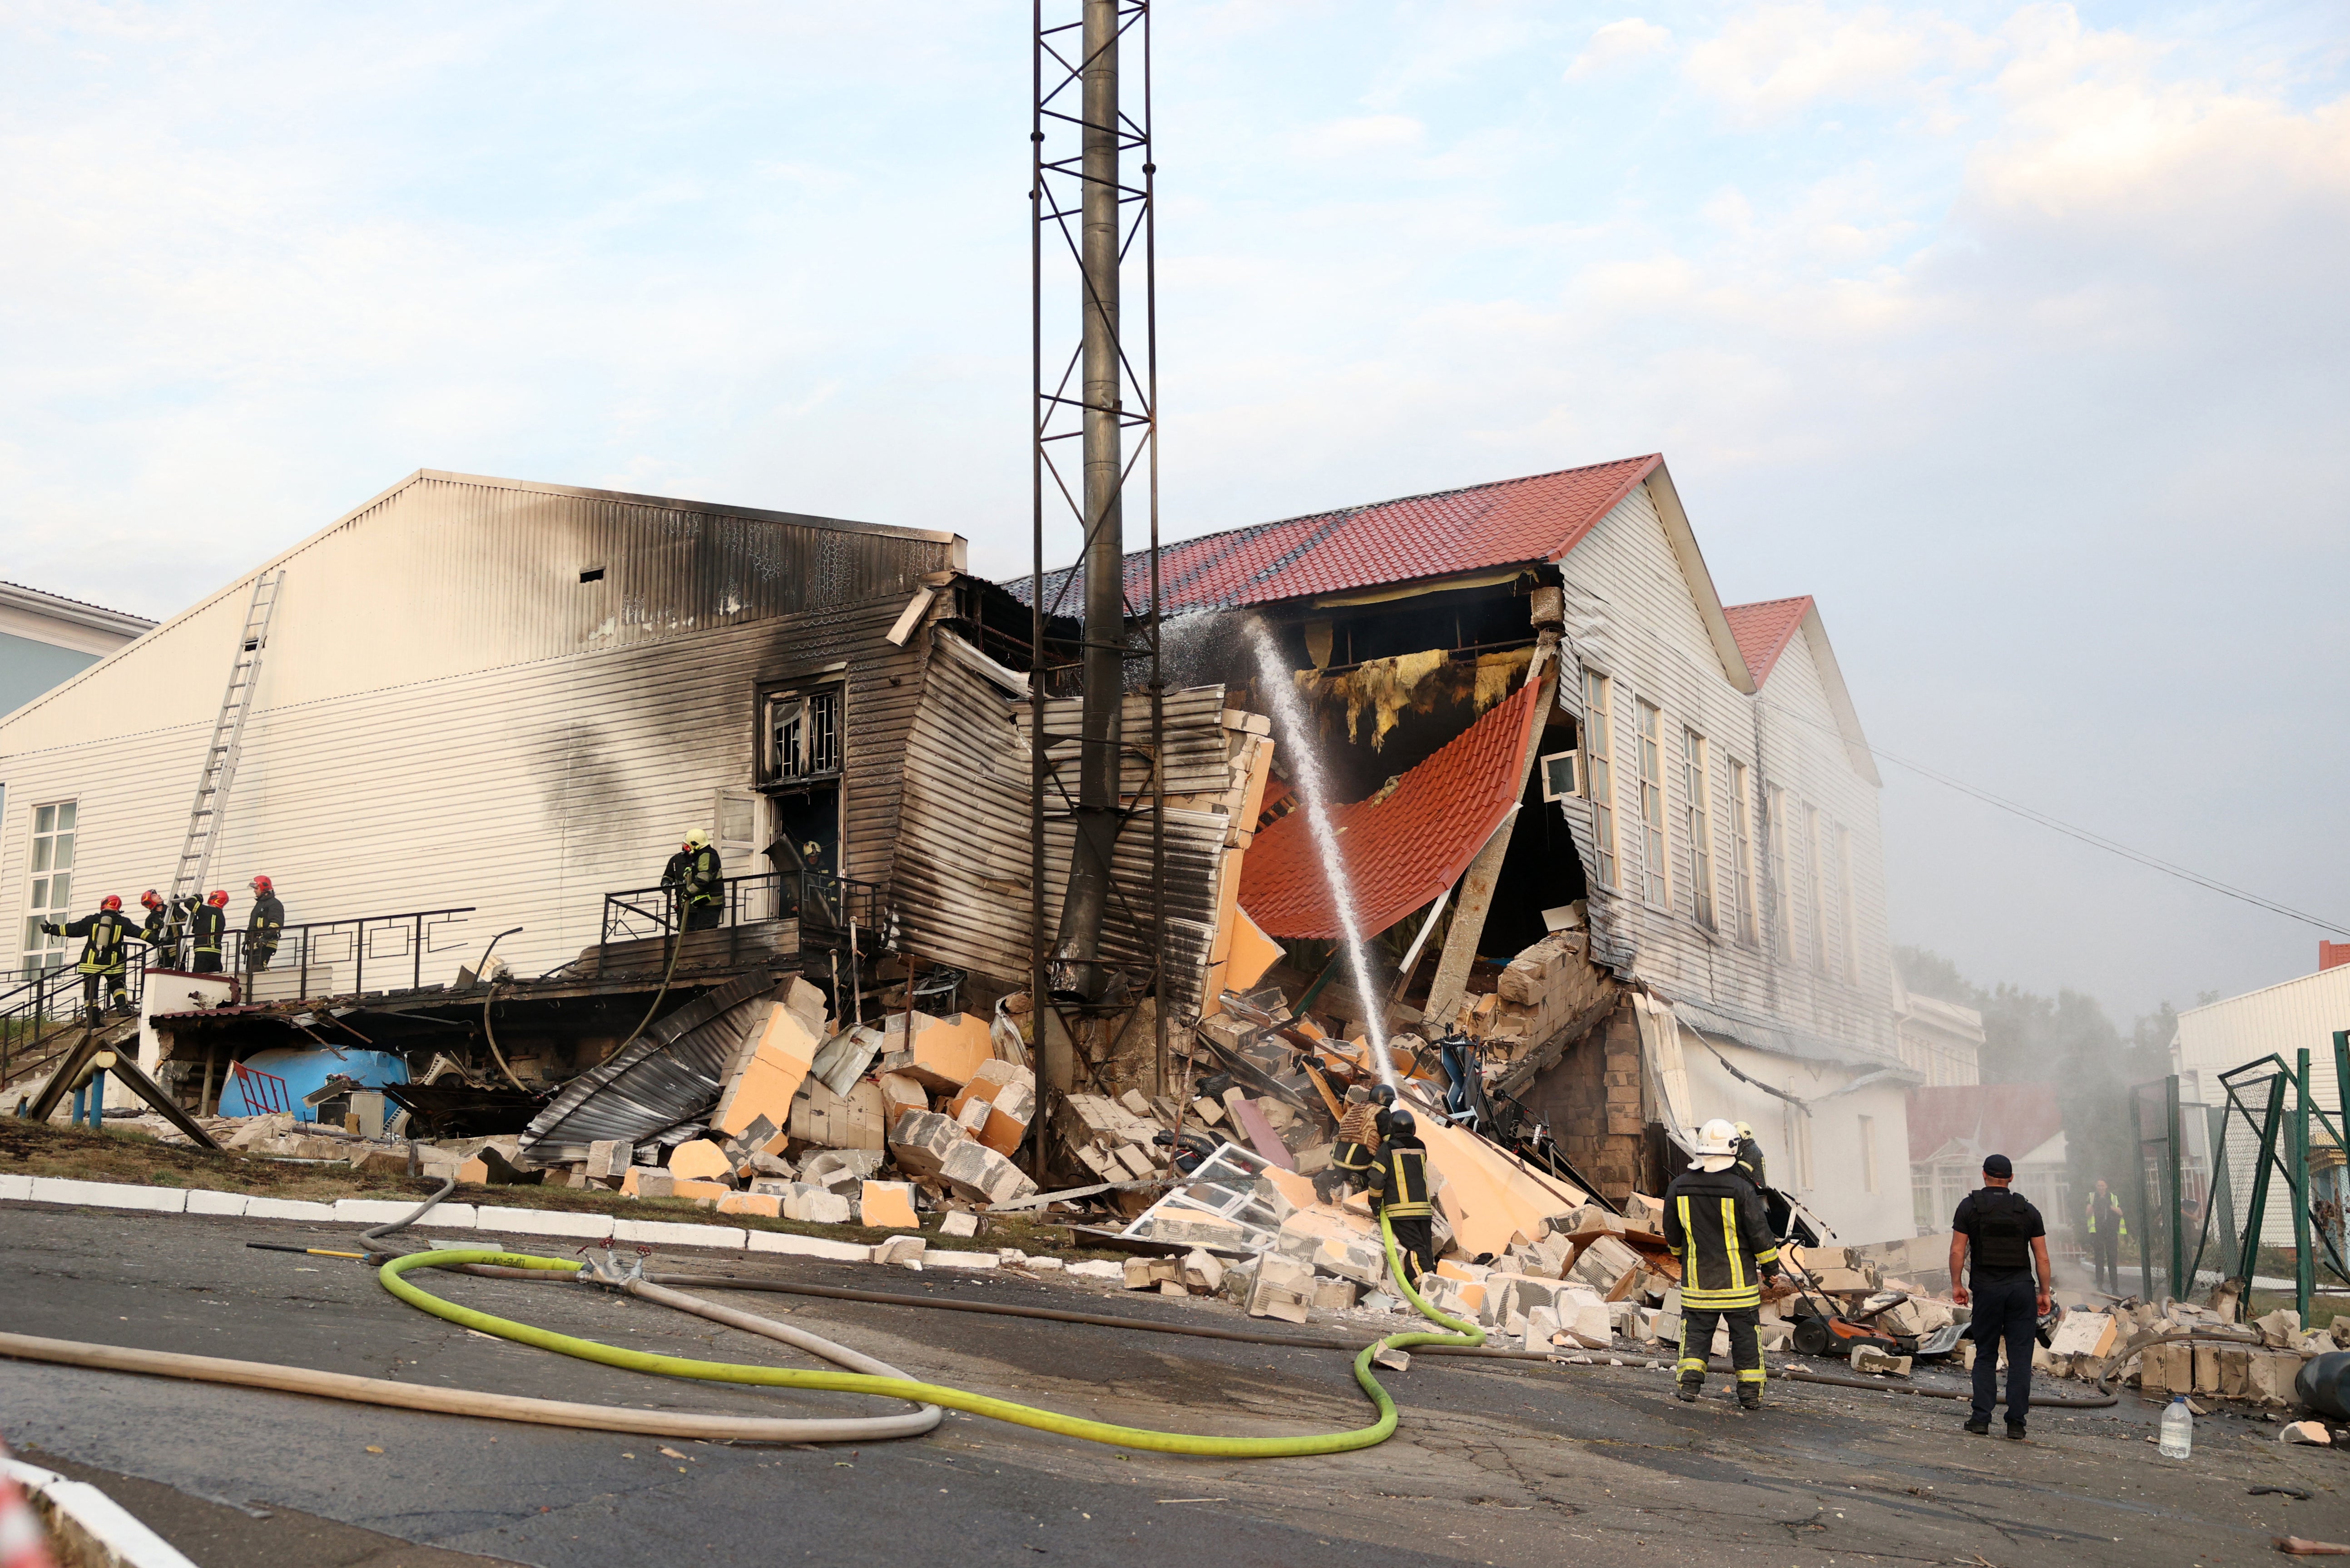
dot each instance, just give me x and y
(1378, 1431)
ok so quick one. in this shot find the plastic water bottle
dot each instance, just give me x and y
(2178, 1429)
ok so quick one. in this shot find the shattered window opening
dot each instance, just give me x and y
(1655, 868)
(1695, 774)
(50, 891)
(1782, 901)
(804, 734)
(1600, 783)
(1742, 853)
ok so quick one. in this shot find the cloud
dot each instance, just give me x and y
(1775, 59)
(1617, 43)
(1361, 136)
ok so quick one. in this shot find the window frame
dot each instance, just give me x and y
(1744, 919)
(1848, 913)
(1816, 888)
(1656, 847)
(36, 952)
(1599, 773)
(1868, 1133)
(1797, 1127)
(1697, 819)
(813, 696)
(1783, 892)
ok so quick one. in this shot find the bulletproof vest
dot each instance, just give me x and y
(2002, 1238)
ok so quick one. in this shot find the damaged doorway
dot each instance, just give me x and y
(802, 778)
(1541, 869)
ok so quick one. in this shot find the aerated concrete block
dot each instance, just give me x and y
(958, 1222)
(977, 1172)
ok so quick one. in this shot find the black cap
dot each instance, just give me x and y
(1999, 1164)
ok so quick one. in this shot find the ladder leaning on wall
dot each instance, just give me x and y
(228, 737)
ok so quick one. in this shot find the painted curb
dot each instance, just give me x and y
(105, 1522)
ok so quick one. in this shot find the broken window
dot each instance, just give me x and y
(1845, 904)
(49, 894)
(1782, 901)
(1813, 885)
(1657, 886)
(1599, 770)
(804, 734)
(1700, 809)
(1739, 883)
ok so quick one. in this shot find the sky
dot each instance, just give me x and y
(2015, 334)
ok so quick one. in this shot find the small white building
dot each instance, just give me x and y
(44, 638)
(1941, 1040)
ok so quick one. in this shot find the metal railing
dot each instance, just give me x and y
(264, 1093)
(827, 907)
(335, 956)
(41, 1016)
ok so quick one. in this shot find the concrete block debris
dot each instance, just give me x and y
(958, 1222)
(997, 1104)
(887, 1205)
(1870, 1358)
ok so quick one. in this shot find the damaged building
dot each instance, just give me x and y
(1621, 836)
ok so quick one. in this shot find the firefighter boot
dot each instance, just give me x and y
(1750, 1396)
(1691, 1385)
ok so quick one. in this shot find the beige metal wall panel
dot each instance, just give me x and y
(529, 791)
(446, 575)
(2296, 1015)
(964, 865)
(1630, 614)
(1194, 757)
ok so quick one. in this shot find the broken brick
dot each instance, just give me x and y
(887, 1205)
(700, 1160)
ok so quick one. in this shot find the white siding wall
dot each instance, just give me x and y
(2297, 1015)
(1631, 614)
(1838, 1190)
(446, 716)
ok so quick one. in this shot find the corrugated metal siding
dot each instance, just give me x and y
(2297, 1015)
(529, 791)
(1630, 614)
(963, 869)
(449, 574)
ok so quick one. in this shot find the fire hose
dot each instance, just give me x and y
(863, 1375)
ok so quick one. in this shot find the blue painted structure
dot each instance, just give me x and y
(305, 1070)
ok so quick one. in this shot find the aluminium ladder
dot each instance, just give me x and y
(228, 738)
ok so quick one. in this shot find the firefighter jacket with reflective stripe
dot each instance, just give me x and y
(208, 922)
(2112, 1210)
(267, 918)
(1400, 1186)
(1714, 1225)
(700, 877)
(106, 936)
(1749, 1162)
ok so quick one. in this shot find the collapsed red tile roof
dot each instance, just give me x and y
(1763, 631)
(1402, 852)
(2011, 1120)
(1507, 523)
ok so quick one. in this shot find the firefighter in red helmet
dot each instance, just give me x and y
(261, 929)
(208, 923)
(106, 940)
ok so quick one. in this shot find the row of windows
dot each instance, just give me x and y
(1753, 879)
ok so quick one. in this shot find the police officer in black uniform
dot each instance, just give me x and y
(2007, 1242)
(1399, 1190)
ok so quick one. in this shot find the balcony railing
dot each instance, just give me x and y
(338, 958)
(827, 908)
(41, 1016)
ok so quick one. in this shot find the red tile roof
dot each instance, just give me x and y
(1405, 850)
(1763, 631)
(1508, 523)
(2011, 1120)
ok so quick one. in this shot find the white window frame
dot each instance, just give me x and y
(816, 758)
(1816, 888)
(1742, 852)
(1867, 1152)
(1696, 813)
(1846, 909)
(1798, 1140)
(1782, 893)
(47, 895)
(1600, 771)
(1656, 853)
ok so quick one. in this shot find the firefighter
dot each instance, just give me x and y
(1714, 1225)
(693, 877)
(261, 929)
(1383, 1096)
(105, 938)
(208, 925)
(1358, 1141)
(161, 931)
(1399, 1190)
(1748, 1158)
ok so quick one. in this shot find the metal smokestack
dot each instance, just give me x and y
(1079, 943)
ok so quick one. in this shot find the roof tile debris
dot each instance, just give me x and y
(1403, 851)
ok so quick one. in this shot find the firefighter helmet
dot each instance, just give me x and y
(1400, 1124)
(219, 899)
(151, 898)
(264, 885)
(697, 837)
(1716, 1145)
(111, 901)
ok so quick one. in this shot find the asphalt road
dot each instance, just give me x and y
(1494, 1463)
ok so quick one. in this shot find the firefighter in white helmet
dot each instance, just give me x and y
(1715, 1225)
